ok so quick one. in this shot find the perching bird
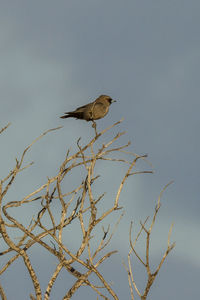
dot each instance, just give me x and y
(91, 111)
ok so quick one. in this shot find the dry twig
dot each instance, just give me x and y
(146, 262)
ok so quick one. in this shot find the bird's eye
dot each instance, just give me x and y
(110, 100)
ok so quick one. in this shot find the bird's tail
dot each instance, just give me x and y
(65, 116)
(77, 115)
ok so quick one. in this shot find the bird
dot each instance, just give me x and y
(92, 111)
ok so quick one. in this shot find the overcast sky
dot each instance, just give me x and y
(57, 55)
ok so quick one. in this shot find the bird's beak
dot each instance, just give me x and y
(113, 101)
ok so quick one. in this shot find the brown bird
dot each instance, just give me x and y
(91, 111)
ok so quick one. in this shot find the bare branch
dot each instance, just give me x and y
(77, 206)
(151, 275)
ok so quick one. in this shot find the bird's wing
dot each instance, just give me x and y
(97, 105)
(82, 108)
(87, 107)
(98, 110)
(90, 105)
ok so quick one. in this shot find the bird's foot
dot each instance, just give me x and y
(94, 125)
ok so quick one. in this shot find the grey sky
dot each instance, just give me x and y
(57, 55)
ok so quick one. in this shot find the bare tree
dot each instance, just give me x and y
(78, 205)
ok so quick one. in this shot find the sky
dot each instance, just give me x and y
(58, 55)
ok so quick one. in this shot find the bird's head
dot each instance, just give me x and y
(107, 98)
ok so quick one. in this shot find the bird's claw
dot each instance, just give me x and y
(94, 125)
